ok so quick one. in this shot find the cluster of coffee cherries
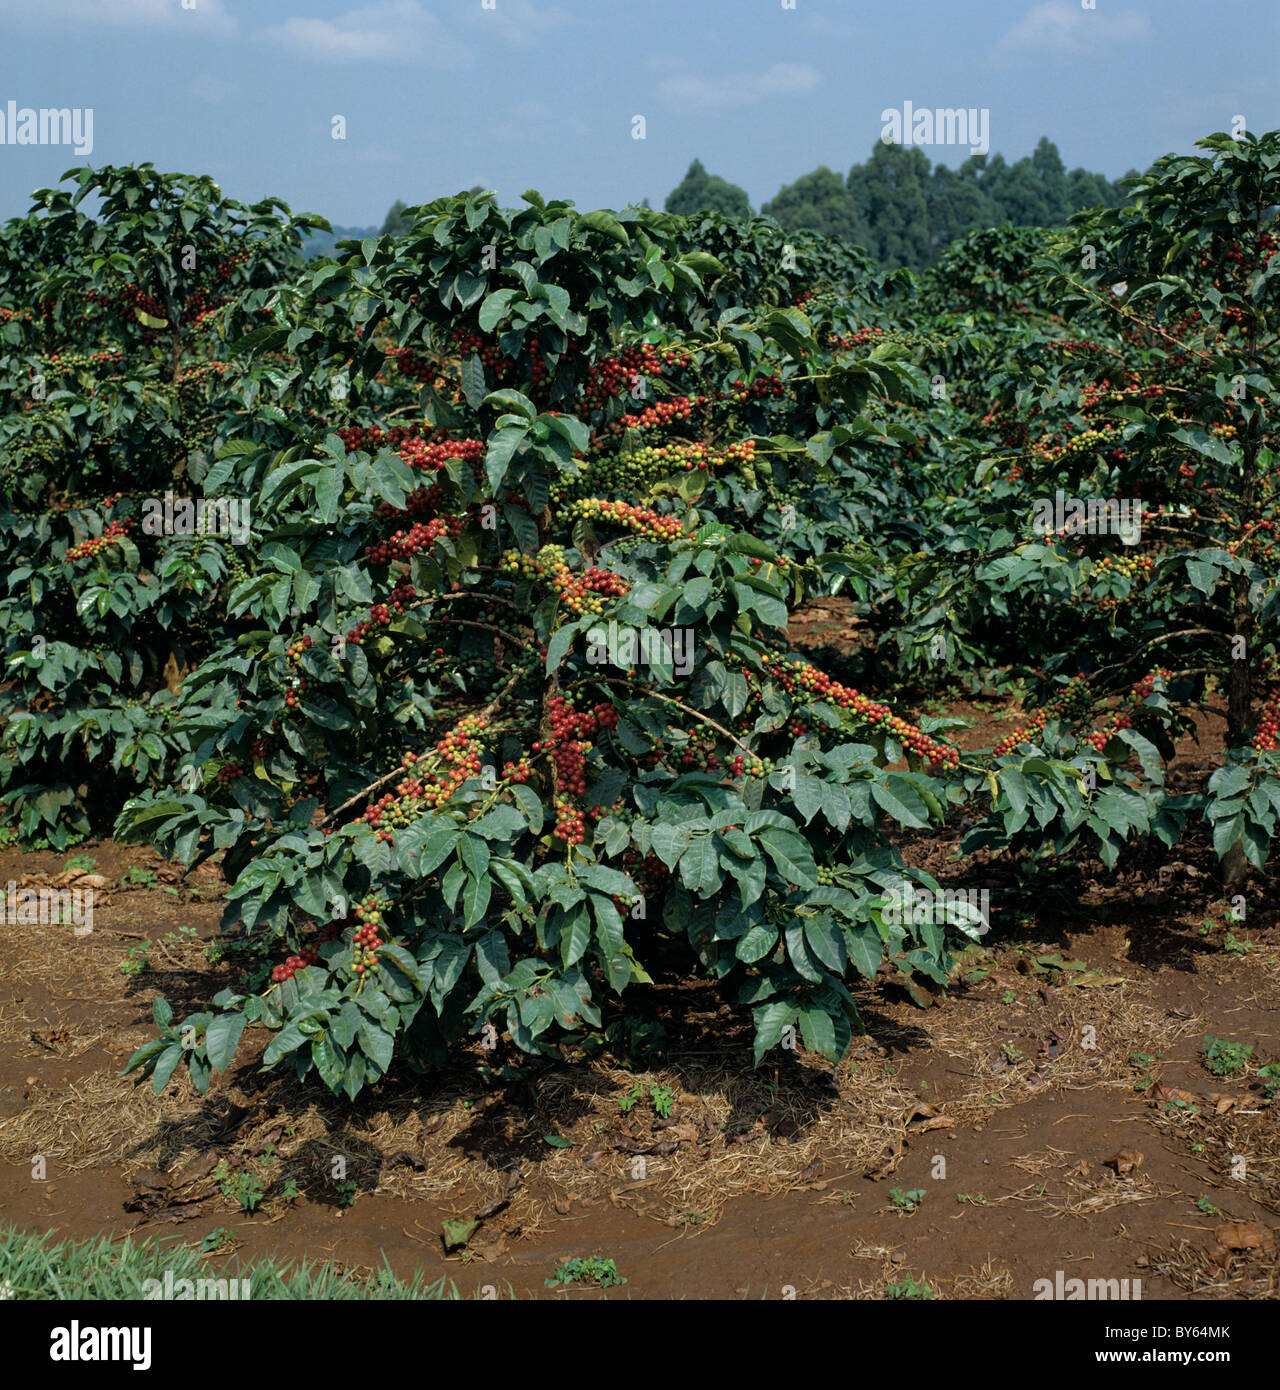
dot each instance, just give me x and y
(1262, 551)
(763, 386)
(800, 678)
(192, 377)
(468, 340)
(420, 368)
(422, 535)
(422, 501)
(1131, 566)
(132, 298)
(1264, 736)
(1072, 701)
(380, 614)
(307, 956)
(112, 532)
(75, 361)
(617, 376)
(295, 649)
(456, 757)
(642, 520)
(584, 592)
(660, 415)
(368, 935)
(843, 342)
(1073, 446)
(570, 731)
(427, 454)
(1122, 717)
(1105, 393)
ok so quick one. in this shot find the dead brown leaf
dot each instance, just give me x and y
(1161, 1092)
(1125, 1160)
(930, 1115)
(1244, 1235)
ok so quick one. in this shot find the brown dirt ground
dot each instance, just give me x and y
(1056, 1113)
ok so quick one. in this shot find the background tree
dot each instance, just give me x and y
(699, 190)
(889, 194)
(819, 202)
(396, 223)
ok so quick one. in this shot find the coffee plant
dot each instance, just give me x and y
(476, 676)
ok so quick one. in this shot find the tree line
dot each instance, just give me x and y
(906, 211)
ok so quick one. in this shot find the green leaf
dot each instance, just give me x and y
(904, 803)
(608, 224)
(473, 381)
(165, 1067)
(222, 1038)
(495, 307)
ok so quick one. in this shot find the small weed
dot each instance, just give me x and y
(136, 877)
(662, 1098)
(1270, 1078)
(627, 1103)
(244, 1188)
(1014, 1054)
(908, 1287)
(136, 960)
(975, 1199)
(907, 1201)
(592, 1270)
(84, 863)
(1008, 997)
(1185, 1107)
(1236, 948)
(347, 1192)
(1224, 1058)
(1207, 1207)
(218, 1241)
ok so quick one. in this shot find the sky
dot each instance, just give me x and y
(436, 96)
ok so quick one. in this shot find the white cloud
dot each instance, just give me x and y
(519, 21)
(708, 93)
(395, 31)
(1061, 26)
(209, 16)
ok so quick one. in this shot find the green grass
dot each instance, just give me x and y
(34, 1266)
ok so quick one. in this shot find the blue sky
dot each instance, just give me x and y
(439, 95)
